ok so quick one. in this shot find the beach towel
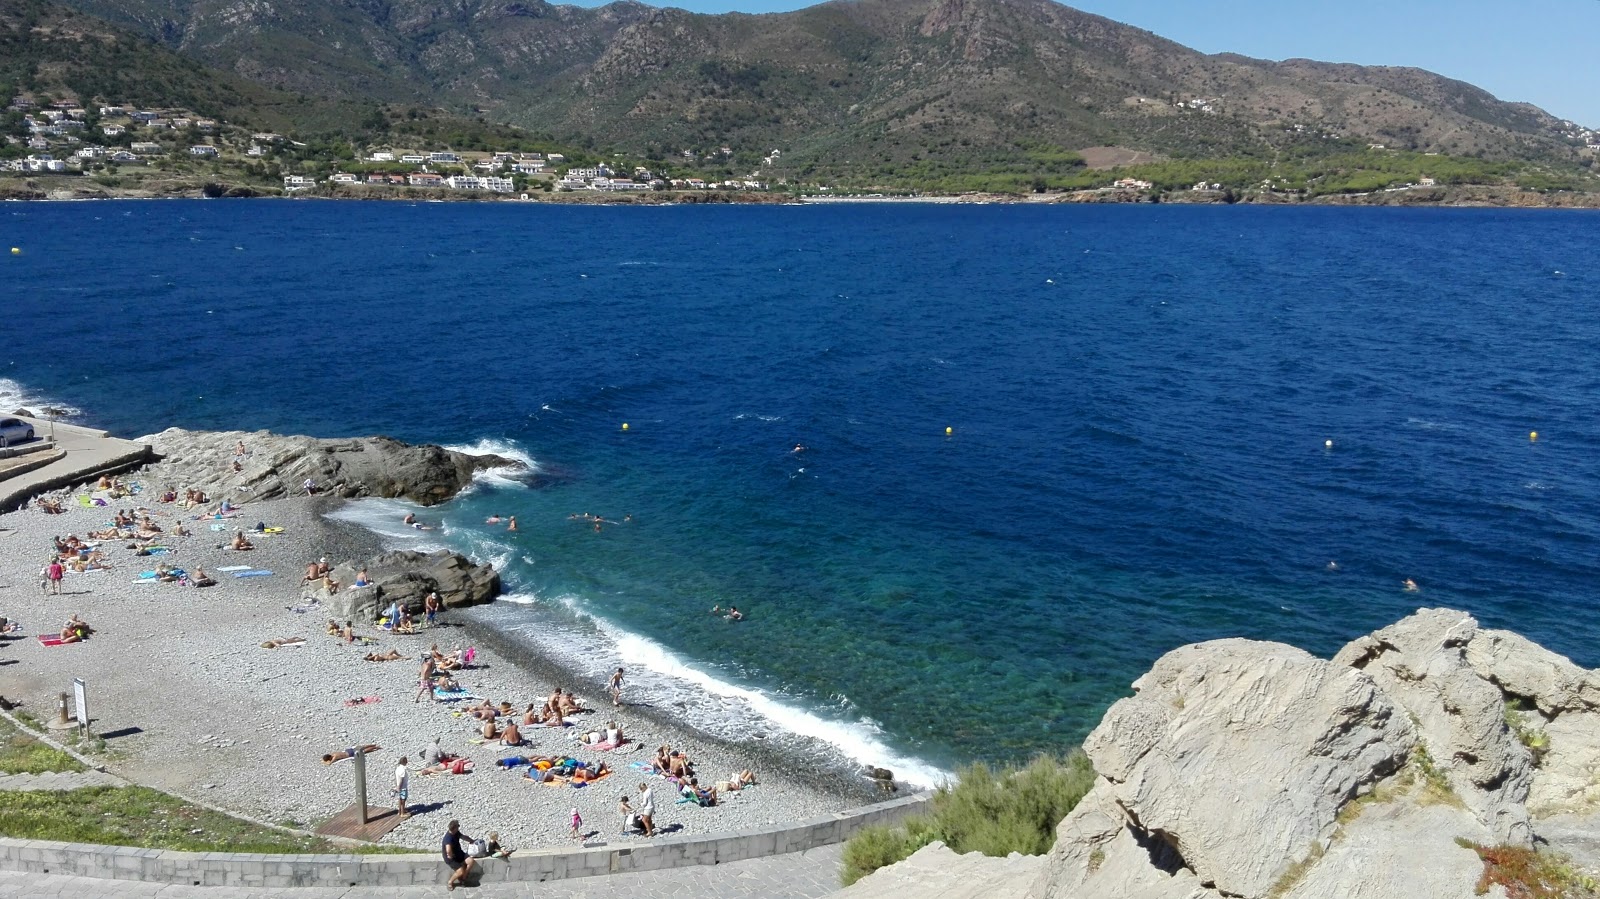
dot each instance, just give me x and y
(602, 747)
(253, 572)
(85, 501)
(52, 640)
(219, 527)
(362, 700)
(234, 568)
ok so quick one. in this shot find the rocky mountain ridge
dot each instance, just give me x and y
(864, 84)
(1432, 758)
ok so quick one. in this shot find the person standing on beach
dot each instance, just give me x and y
(431, 606)
(455, 856)
(616, 688)
(425, 680)
(54, 572)
(628, 817)
(647, 809)
(577, 822)
(402, 781)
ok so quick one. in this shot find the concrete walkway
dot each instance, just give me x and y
(801, 875)
(89, 453)
(60, 780)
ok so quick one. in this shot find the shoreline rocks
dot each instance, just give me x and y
(277, 466)
(406, 577)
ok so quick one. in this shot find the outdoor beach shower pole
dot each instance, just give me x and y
(361, 785)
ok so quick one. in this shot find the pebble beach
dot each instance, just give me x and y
(189, 701)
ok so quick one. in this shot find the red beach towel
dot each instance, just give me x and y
(52, 640)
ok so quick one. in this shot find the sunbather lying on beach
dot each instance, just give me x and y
(393, 655)
(339, 755)
(283, 641)
(452, 766)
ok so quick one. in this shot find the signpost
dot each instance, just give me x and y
(361, 785)
(80, 699)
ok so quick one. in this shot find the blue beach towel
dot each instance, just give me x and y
(255, 572)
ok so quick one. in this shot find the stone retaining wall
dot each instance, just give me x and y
(256, 870)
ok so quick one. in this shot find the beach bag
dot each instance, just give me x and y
(479, 849)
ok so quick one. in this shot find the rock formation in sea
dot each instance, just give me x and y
(405, 577)
(1248, 769)
(276, 466)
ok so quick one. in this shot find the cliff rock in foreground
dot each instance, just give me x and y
(275, 466)
(1250, 769)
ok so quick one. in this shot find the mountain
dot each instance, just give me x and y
(920, 88)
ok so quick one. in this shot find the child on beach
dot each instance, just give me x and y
(577, 822)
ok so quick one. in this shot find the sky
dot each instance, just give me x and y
(1545, 52)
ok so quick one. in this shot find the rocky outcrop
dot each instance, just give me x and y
(1558, 714)
(1255, 770)
(406, 577)
(276, 466)
(1226, 769)
(1422, 663)
(935, 872)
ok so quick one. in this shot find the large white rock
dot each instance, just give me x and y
(1398, 850)
(1421, 663)
(936, 872)
(1236, 756)
(1562, 702)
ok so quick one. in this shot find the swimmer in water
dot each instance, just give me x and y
(1333, 566)
(492, 519)
(411, 518)
(513, 525)
(734, 614)
(1411, 586)
(798, 448)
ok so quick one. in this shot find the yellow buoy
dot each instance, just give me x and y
(1328, 444)
(624, 426)
(1533, 435)
(16, 251)
(949, 431)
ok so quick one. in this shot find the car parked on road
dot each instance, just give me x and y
(14, 430)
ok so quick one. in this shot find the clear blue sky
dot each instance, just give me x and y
(1545, 52)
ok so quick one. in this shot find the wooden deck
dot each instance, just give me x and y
(348, 825)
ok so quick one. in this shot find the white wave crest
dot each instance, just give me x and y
(15, 396)
(488, 446)
(859, 740)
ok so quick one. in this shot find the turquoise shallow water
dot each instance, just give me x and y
(1139, 402)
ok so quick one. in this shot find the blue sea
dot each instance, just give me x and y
(967, 470)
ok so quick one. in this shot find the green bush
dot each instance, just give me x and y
(996, 813)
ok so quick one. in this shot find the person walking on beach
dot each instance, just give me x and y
(425, 680)
(455, 856)
(647, 809)
(54, 572)
(577, 822)
(431, 606)
(402, 781)
(616, 688)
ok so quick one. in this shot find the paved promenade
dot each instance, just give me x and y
(800, 875)
(88, 453)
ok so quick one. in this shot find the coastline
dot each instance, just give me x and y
(1462, 197)
(194, 704)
